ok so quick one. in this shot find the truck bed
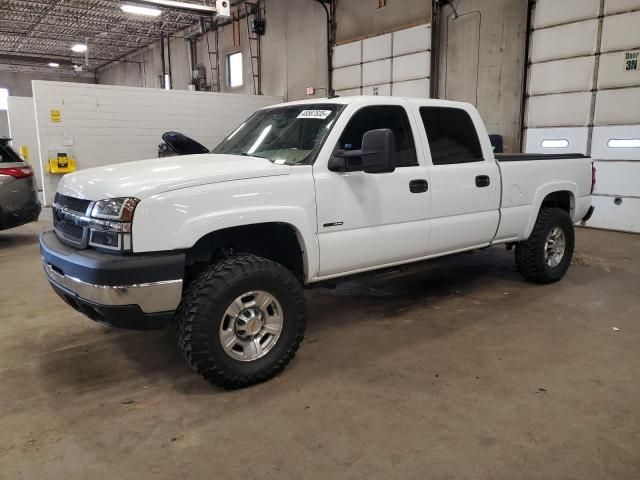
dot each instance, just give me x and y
(524, 157)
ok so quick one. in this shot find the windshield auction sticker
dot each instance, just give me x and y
(319, 114)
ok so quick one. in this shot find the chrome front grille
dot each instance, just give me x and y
(70, 220)
(70, 231)
(77, 205)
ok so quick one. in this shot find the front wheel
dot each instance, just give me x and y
(546, 255)
(241, 321)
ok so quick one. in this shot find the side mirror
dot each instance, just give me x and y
(376, 156)
(183, 145)
(378, 151)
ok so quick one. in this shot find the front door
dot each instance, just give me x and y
(367, 220)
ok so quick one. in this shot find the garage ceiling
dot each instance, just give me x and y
(37, 32)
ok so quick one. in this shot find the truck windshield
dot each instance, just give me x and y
(285, 135)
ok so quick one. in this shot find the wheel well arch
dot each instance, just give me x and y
(562, 199)
(277, 241)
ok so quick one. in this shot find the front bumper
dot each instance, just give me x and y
(135, 291)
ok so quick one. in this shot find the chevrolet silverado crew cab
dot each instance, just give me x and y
(300, 193)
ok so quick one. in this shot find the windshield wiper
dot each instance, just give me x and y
(247, 154)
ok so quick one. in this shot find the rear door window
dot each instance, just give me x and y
(452, 135)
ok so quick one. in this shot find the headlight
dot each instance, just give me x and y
(120, 209)
(112, 229)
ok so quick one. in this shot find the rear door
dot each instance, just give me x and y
(368, 220)
(465, 186)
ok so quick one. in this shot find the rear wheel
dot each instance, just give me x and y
(241, 321)
(546, 255)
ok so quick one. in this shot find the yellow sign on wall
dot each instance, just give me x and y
(55, 116)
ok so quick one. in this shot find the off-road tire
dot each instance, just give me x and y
(202, 309)
(530, 253)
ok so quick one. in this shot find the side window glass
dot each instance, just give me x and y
(452, 135)
(393, 117)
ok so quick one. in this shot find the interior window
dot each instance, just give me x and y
(393, 117)
(234, 69)
(452, 135)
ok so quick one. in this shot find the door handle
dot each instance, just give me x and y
(419, 185)
(483, 181)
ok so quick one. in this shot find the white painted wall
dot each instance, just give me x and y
(112, 124)
(22, 130)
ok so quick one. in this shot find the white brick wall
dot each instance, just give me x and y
(112, 124)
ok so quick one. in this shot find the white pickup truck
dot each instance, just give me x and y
(300, 193)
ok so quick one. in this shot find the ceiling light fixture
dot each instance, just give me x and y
(138, 10)
(173, 4)
(54, 64)
(79, 48)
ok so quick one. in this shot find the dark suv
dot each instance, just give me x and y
(18, 196)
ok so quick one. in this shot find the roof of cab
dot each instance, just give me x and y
(374, 99)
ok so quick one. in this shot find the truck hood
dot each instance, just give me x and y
(149, 177)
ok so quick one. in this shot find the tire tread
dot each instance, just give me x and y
(528, 259)
(192, 336)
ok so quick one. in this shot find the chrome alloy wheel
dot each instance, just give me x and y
(251, 326)
(554, 247)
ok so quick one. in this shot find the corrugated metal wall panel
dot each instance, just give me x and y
(612, 73)
(617, 178)
(347, 54)
(412, 88)
(557, 140)
(411, 67)
(617, 6)
(565, 41)
(376, 48)
(554, 12)
(610, 215)
(376, 73)
(397, 63)
(347, 77)
(603, 137)
(384, 89)
(621, 32)
(559, 110)
(350, 92)
(411, 40)
(617, 107)
(560, 76)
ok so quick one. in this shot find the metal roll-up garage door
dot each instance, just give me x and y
(583, 88)
(395, 63)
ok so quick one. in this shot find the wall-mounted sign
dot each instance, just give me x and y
(55, 116)
(631, 61)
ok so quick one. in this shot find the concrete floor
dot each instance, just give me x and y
(457, 370)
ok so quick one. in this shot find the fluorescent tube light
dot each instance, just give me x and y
(624, 143)
(138, 10)
(193, 7)
(561, 143)
(54, 64)
(79, 48)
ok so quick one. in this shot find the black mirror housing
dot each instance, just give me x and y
(378, 151)
(376, 156)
